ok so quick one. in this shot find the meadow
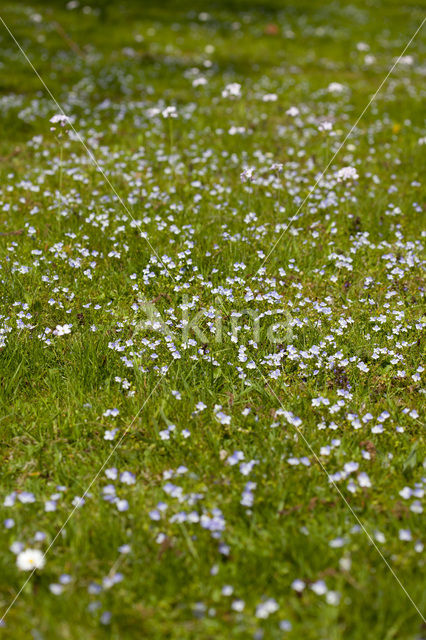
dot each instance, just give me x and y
(211, 316)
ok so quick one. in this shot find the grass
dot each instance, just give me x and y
(345, 280)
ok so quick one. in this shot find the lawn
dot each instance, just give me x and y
(211, 315)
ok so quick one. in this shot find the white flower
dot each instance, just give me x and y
(236, 457)
(364, 480)
(234, 130)
(111, 412)
(56, 589)
(333, 597)
(232, 90)
(247, 174)
(127, 477)
(336, 87)
(293, 112)
(222, 417)
(30, 559)
(416, 507)
(298, 585)
(26, 497)
(408, 60)
(345, 563)
(62, 329)
(319, 587)
(380, 537)
(350, 467)
(405, 535)
(337, 543)
(9, 500)
(265, 609)
(347, 173)
(169, 112)
(326, 125)
(60, 118)
(122, 505)
(270, 97)
(199, 82)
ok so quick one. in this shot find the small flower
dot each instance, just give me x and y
(50, 505)
(347, 173)
(26, 497)
(199, 82)
(319, 587)
(235, 457)
(333, 597)
(265, 609)
(326, 125)
(238, 605)
(292, 112)
(336, 87)
(56, 589)
(127, 477)
(270, 97)
(63, 122)
(232, 90)
(405, 535)
(122, 505)
(111, 412)
(60, 118)
(364, 480)
(405, 60)
(222, 417)
(169, 112)
(62, 329)
(298, 585)
(105, 617)
(30, 559)
(247, 174)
